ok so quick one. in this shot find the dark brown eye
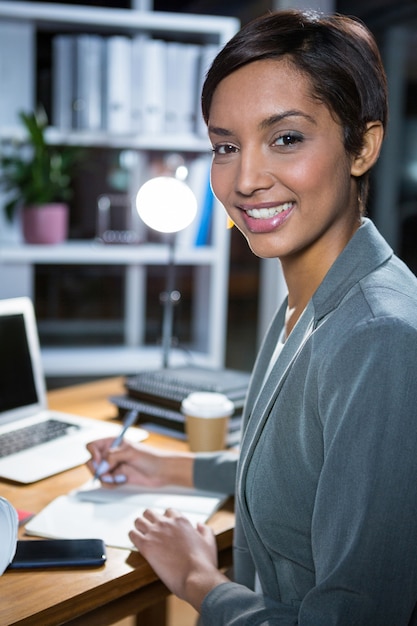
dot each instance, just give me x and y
(288, 139)
(224, 149)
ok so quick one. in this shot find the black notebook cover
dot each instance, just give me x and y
(169, 387)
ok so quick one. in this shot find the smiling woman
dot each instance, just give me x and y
(326, 511)
(280, 176)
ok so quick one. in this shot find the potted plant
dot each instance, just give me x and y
(38, 179)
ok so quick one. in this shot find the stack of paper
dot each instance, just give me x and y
(109, 514)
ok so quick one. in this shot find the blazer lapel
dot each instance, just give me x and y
(260, 399)
(262, 395)
(263, 359)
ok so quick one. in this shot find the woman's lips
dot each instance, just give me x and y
(267, 219)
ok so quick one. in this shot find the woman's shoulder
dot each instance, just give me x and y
(390, 291)
(381, 308)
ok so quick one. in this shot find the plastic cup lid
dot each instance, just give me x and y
(207, 404)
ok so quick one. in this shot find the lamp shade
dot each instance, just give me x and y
(166, 204)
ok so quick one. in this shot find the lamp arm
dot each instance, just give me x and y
(168, 303)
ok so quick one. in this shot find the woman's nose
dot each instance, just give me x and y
(253, 173)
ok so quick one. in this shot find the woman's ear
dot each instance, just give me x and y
(372, 142)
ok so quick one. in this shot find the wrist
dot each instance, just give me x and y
(177, 469)
(199, 584)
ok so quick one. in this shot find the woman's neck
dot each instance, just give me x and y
(306, 271)
(292, 315)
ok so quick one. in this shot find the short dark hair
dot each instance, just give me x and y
(337, 53)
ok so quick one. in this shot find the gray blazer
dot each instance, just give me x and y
(326, 481)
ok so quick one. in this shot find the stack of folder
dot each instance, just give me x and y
(157, 396)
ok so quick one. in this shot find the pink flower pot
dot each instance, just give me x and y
(45, 223)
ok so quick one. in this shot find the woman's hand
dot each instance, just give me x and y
(139, 464)
(183, 557)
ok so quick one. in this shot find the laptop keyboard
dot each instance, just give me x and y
(30, 436)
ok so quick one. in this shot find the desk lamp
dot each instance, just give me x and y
(166, 204)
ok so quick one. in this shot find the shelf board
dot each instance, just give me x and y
(114, 360)
(75, 252)
(208, 29)
(156, 143)
(102, 139)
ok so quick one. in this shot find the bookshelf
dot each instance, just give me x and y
(209, 262)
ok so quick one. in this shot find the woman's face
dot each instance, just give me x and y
(280, 167)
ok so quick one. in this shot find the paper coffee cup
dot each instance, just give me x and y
(206, 420)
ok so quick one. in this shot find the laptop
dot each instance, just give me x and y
(57, 440)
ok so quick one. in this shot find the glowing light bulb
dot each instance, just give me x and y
(166, 204)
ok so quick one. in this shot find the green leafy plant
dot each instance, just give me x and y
(33, 172)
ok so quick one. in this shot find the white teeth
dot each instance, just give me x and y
(266, 213)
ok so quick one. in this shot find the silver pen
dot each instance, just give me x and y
(127, 423)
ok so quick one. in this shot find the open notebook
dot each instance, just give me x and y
(36, 442)
(109, 514)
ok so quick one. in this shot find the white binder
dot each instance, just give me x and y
(87, 104)
(118, 84)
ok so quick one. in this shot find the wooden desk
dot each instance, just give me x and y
(126, 585)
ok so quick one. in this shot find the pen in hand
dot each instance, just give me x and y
(127, 423)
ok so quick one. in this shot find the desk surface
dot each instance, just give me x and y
(126, 585)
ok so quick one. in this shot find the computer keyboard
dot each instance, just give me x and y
(30, 436)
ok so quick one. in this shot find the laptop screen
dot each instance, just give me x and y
(17, 385)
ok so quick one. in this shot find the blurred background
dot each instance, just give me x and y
(252, 283)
